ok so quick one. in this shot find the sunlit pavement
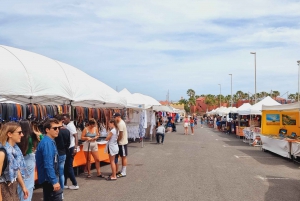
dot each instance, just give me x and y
(209, 165)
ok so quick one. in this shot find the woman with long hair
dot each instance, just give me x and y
(15, 170)
(28, 146)
(36, 134)
(90, 146)
(112, 148)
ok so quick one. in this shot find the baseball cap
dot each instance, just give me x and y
(117, 115)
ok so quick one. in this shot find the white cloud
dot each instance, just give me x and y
(177, 44)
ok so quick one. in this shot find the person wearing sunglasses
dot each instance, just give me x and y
(47, 162)
(28, 146)
(12, 165)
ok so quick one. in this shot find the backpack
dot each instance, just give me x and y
(5, 160)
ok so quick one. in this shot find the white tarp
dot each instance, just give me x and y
(28, 77)
(132, 101)
(163, 108)
(267, 101)
(147, 100)
(244, 109)
(292, 106)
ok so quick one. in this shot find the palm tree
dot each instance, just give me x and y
(275, 94)
(190, 93)
(227, 99)
(210, 100)
(264, 94)
(293, 97)
(239, 94)
(234, 98)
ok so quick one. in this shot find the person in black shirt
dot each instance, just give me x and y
(62, 143)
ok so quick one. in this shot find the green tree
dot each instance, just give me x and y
(210, 100)
(275, 94)
(292, 97)
(190, 93)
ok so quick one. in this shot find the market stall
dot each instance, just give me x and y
(243, 119)
(281, 124)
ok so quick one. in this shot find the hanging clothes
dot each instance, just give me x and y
(143, 123)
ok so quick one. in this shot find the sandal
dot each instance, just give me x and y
(101, 176)
(89, 176)
(110, 179)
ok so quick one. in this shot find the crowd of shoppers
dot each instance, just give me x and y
(23, 148)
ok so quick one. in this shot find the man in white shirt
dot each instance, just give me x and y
(69, 172)
(122, 141)
(160, 131)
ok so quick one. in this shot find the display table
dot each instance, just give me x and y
(295, 149)
(80, 159)
(239, 131)
(281, 147)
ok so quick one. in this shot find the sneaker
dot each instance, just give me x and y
(121, 175)
(74, 187)
(66, 187)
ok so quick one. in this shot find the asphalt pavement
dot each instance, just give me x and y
(209, 165)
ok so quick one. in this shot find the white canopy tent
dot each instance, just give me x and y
(267, 101)
(244, 109)
(132, 101)
(33, 78)
(147, 100)
(291, 107)
(164, 108)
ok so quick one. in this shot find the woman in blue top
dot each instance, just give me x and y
(15, 170)
(90, 146)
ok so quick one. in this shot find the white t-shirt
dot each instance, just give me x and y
(122, 127)
(71, 127)
(161, 130)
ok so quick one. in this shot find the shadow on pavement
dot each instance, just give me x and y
(268, 158)
(282, 189)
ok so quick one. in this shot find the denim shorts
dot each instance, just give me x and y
(192, 125)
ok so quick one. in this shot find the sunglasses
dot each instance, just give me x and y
(55, 128)
(20, 132)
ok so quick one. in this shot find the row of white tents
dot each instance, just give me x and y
(27, 77)
(246, 108)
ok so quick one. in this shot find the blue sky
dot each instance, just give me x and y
(154, 46)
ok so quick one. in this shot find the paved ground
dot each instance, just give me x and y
(206, 166)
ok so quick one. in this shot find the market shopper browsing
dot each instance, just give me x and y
(47, 162)
(112, 148)
(122, 141)
(186, 125)
(62, 144)
(90, 147)
(160, 131)
(28, 146)
(69, 172)
(12, 165)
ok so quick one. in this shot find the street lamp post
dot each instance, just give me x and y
(254, 73)
(220, 94)
(231, 91)
(298, 77)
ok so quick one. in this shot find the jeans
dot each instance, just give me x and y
(49, 194)
(61, 167)
(69, 171)
(162, 137)
(29, 182)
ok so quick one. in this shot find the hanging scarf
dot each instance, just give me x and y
(15, 162)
